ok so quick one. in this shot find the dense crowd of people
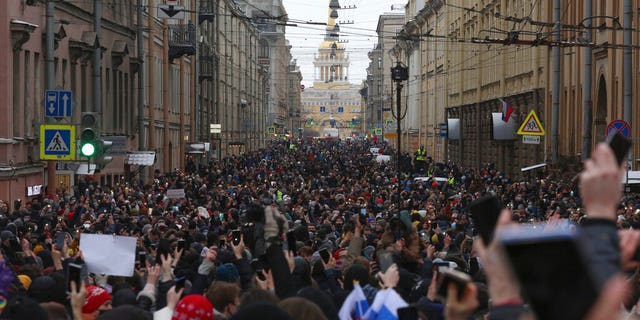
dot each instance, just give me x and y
(292, 231)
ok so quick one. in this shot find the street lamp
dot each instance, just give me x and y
(399, 73)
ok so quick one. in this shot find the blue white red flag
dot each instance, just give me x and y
(355, 304)
(385, 306)
(507, 110)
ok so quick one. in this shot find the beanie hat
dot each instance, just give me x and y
(227, 272)
(124, 296)
(127, 312)
(321, 299)
(40, 288)
(25, 280)
(6, 235)
(261, 310)
(193, 306)
(37, 249)
(96, 296)
(24, 308)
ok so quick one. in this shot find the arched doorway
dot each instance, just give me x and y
(600, 119)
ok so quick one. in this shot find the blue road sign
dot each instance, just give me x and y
(619, 126)
(444, 128)
(57, 142)
(58, 103)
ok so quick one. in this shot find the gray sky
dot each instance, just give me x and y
(361, 35)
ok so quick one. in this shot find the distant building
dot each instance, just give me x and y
(381, 97)
(332, 103)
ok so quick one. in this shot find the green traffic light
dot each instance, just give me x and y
(88, 150)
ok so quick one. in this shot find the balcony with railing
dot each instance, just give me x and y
(182, 40)
(205, 11)
(206, 62)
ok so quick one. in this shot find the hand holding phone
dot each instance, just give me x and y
(236, 237)
(563, 287)
(179, 283)
(182, 245)
(142, 258)
(485, 212)
(448, 276)
(164, 248)
(291, 241)
(324, 254)
(385, 260)
(74, 273)
(60, 237)
(362, 217)
(258, 268)
(620, 146)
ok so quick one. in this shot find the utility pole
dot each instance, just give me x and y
(399, 73)
(555, 111)
(627, 75)
(97, 56)
(587, 102)
(398, 123)
(199, 134)
(140, 41)
(50, 84)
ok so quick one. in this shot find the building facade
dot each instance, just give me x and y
(274, 54)
(295, 125)
(24, 81)
(163, 96)
(382, 98)
(373, 109)
(473, 56)
(240, 80)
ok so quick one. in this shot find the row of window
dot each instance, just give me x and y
(324, 109)
(331, 103)
(339, 110)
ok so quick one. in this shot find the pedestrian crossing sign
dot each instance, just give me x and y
(531, 125)
(57, 142)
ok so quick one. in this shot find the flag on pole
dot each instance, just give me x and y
(507, 110)
(385, 306)
(356, 304)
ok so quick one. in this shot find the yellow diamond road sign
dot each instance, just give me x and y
(531, 125)
(57, 142)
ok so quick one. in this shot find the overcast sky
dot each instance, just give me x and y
(361, 35)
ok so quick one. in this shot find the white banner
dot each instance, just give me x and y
(109, 254)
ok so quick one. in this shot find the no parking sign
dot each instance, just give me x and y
(619, 126)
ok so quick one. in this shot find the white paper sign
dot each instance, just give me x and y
(109, 254)
(175, 193)
(383, 158)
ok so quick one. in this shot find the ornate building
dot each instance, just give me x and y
(333, 103)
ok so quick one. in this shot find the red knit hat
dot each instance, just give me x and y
(194, 306)
(96, 296)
